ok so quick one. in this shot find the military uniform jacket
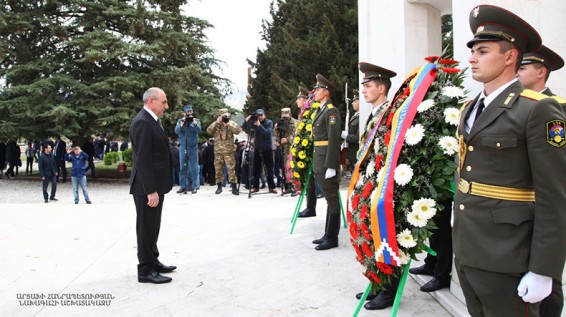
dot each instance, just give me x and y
(509, 146)
(353, 137)
(326, 127)
(223, 136)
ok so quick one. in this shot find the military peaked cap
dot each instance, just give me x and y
(322, 82)
(546, 56)
(372, 71)
(492, 23)
(303, 92)
(356, 95)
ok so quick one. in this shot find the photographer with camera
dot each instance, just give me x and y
(223, 131)
(262, 129)
(188, 129)
(285, 133)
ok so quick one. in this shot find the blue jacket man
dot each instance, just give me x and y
(188, 129)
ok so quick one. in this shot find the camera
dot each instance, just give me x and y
(189, 118)
(253, 118)
(282, 125)
(225, 118)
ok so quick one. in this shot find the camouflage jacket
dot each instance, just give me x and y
(223, 136)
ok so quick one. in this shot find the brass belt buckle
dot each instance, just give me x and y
(464, 186)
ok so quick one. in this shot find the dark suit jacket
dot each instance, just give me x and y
(507, 146)
(326, 127)
(151, 161)
(61, 150)
(353, 137)
(47, 165)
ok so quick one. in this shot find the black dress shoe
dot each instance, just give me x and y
(421, 270)
(194, 191)
(370, 296)
(54, 199)
(307, 213)
(180, 191)
(162, 268)
(154, 278)
(434, 285)
(319, 241)
(327, 244)
(381, 301)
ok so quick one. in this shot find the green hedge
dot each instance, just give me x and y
(128, 156)
(111, 157)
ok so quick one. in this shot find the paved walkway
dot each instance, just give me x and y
(235, 257)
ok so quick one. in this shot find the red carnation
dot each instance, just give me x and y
(367, 250)
(355, 202)
(365, 231)
(364, 213)
(360, 256)
(367, 190)
(450, 70)
(432, 59)
(378, 162)
(372, 277)
(446, 61)
(354, 230)
(389, 119)
(384, 268)
(349, 216)
(387, 137)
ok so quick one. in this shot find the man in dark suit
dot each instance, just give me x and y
(48, 172)
(149, 182)
(326, 159)
(509, 220)
(59, 153)
(533, 74)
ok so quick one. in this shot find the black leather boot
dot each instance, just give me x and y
(219, 189)
(235, 190)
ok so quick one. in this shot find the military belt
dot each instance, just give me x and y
(496, 192)
(321, 143)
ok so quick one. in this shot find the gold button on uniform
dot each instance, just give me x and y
(470, 148)
(498, 144)
(468, 168)
(462, 207)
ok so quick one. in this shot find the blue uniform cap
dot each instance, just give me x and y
(187, 108)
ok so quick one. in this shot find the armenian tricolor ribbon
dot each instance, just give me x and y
(382, 210)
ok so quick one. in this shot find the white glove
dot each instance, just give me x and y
(330, 172)
(533, 287)
(344, 134)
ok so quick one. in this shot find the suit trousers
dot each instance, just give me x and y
(552, 305)
(148, 223)
(62, 169)
(441, 242)
(53, 181)
(331, 187)
(265, 157)
(493, 294)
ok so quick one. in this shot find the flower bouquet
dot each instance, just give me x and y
(302, 145)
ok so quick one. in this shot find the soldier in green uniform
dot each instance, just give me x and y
(326, 159)
(352, 134)
(509, 220)
(223, 131)
(533, 74)
(286, 133)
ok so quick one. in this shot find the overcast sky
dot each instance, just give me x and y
(236, 33)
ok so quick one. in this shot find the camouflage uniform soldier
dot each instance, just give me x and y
(286, 134)
(223, 131)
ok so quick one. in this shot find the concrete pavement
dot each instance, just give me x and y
(235, 257)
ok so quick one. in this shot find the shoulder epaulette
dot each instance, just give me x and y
(329, 106)
(533, 95)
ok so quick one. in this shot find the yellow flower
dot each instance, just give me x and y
(306, 113)
(316, 105)
(305, 142)
(297, 140)
(302, 155)
(297, 175)
(301, 165)
(312, 116)
(292, 164)
(293, 152)
(301, 125)
(309, 127)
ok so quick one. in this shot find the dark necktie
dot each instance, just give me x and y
(369, 118)
(479, 111)
(159, 122)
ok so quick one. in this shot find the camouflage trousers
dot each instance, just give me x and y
(221, 159)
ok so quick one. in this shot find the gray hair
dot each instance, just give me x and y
(152, 92)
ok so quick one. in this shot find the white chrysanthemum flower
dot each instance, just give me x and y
(451, 116)
(373, 195)
(425, 207)
(425, 105)
(416, 220)
(405, 239)
(370, 169)
(414, 134)
(452, 92)
(376, 145)
(448, 144)
(403, 174)
(403, 258)
(360, 181)
(379, 174)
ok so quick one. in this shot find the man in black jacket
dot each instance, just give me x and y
(48, 172)
(149, 182)
(59, 153)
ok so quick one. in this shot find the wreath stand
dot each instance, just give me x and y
(302, 197)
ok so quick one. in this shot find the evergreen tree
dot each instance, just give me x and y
(305, 37)
(80, 67)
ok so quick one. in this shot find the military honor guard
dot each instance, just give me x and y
(509, 220)
(352, 134)
(286, 132)
(533, 74)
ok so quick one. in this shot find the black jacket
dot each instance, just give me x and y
(47, 165)
(263, 134)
